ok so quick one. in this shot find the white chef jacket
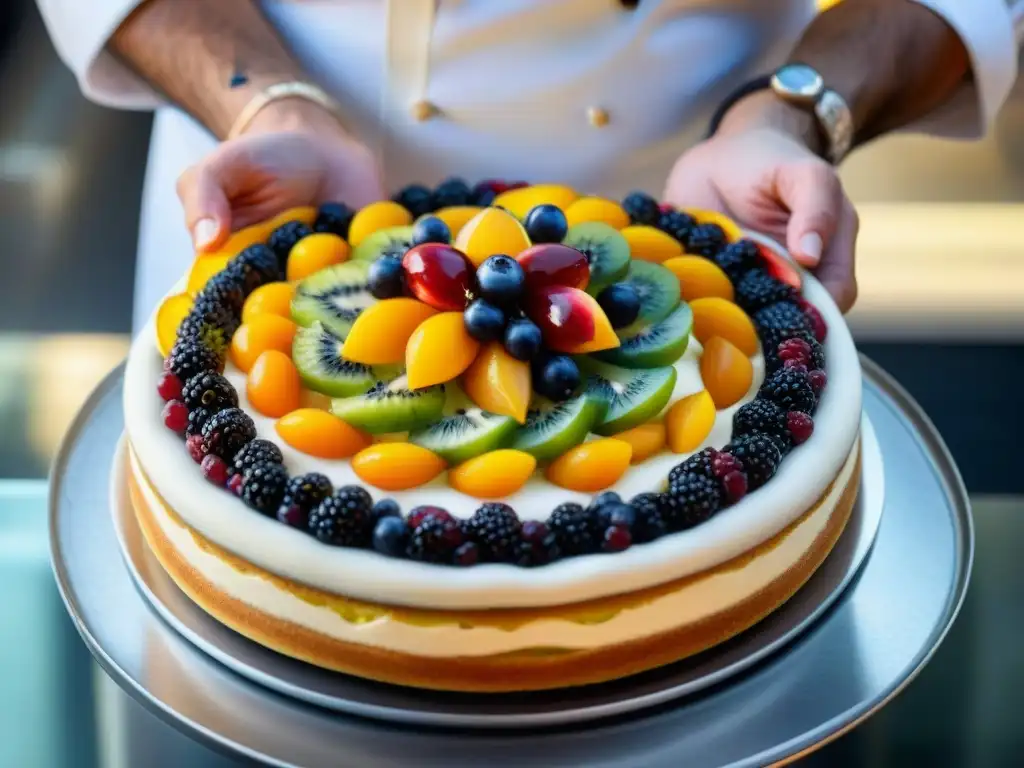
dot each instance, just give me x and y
(514, 83)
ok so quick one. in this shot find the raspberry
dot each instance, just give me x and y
(735, 486)
(300, 495)
(737, 258)
(649, 524)
(706, 240)
(210, 391)
(795, 365)
(214, 469)
(725, 463)
(227, 432)
(416, 199)
(495, 528)
(642, 208)
(466, 554)
(757, 289)
(781, 316)
(800, 426)
(817, 380)
(335, 218)
(698, 464)
(772, 340)
(263, 487)
(189, 357)
(234, 484)
(435, 539)
(169, 386)
(418, 514)
(760, 456)
(284, 238)
(616, 539)
(676, 223)
(818, 326)
(575, 529)
(537, 545)
(196, 447)
(450, 192)
(795, 349)
(790, 390)
(258, 451)
(255, 266)
(343, 519)
(175, 416)
(760, 416)
(691, 500)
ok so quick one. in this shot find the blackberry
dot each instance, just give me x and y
(190, 357)
(300, 495)
(677, 223)
(649, 524)
(537, 545)
(263, 487)
(227, 432)
(495, 528)
(416, 199)
(790, 390)
(757, 289)
(453, 191)
(690, 500)
(770, 340)
(284, 238)
(642, 208)
(258, 451)
(760, 456)
(483, 194)
(697, 464)
(255, 266)
(197, 420)
(762, 416)
(435, 539)
(343, 519)
(334, 218)
(781, 316)
(737, 258)
(706, 240)
(210, 323)
(210, 391)
(226, 289)
(575, 528)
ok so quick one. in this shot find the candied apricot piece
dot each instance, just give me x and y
(439, 350)
(645, 440)
(259, 334)
(321, 434)
(519, 201)
(172, 311)
(726, 371)
(397, 466)
(374, 217)
(456, 216)
(591, 466)
(731, 228)
(273, 386)
(688, 421)
(315, 252)
(650, 244)
(205, 267)
(596, 209)
(380, 333)
(489, 232)
(714, 316)
(269, 299)
(498, 383)
(493, 475)
(699, 278)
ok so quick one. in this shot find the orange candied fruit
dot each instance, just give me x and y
(689, 421)
(439, 350)
(397, 466)
(203, 268)
(381, 331)
(315, 252)
(648, 243)
(493, 475)
(321, 434)
(699, 278)
(714, 316)
(726, 371)
(259, 334)
(269, 299)
(491, 231)
(591, 466)
(375, 217)
(172, 311)
(645, 440)
(499, 383)
(273, 386)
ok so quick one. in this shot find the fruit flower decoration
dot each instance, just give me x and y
(508, 326)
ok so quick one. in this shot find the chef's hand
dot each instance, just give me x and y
(292, 154)
(760, 170)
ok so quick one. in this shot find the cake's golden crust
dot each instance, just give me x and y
(504, 672)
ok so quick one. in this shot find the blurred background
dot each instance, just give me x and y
(941, 270)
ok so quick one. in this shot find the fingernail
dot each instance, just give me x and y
(204, 232)
(810, 247)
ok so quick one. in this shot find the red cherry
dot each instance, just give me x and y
(438, 275)
(554, 264)
(176, 416)
(169, 386)
(563, 316)
(779, 267)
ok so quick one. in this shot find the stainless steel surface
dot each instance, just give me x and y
(846, 667)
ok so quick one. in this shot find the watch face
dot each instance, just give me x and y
(798, 80)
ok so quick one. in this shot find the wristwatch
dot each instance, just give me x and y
(804, 88)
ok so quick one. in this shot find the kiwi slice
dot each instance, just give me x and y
(632, 396)
(334, 296)
(390, 241)
(659, 344)
(606, 250)
(553, 428)
(390, 406)
(466, 433)
(317, 355)
(659, 292)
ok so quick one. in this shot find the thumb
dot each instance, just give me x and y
(814, 196)
(207, 210)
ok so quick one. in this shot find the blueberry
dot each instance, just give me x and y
(483, 194)
(621, 303)
(501, 280)
(522, 338)
(617, 513)
(451, 192)
(608, 497)
(484, 321)
(386, 278)
(416, 199)
(430, 229)
(559, 378)
(386, 508)
(390, 535)
(545, 223)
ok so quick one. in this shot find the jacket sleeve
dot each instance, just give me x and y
(990, 30)
(80, 30)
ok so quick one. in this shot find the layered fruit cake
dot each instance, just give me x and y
(497, 438)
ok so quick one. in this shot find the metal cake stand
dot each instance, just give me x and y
(766, 697)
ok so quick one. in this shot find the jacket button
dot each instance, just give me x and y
(598, 116)
(423, 110)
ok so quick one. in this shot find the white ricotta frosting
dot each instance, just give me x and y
(801, 480)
